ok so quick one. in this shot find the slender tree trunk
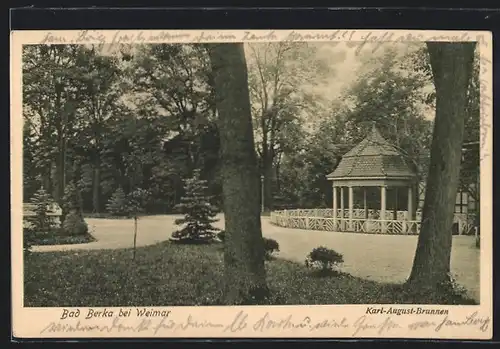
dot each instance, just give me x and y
(268, 184)
(245, 276)
(416, 199)
(53, 180)
(47, 180)
(96, 188)
(61, 170)
(135, 236)
(451, 68)
(277, 168)
(59, 189)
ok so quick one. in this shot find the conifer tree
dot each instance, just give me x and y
(41, 221)
(72, 199)
(198, 212)
(117, 204)
(73, 222)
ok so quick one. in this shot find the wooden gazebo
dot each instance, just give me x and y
(373, 162)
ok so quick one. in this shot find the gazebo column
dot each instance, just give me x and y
(351, 204)
(335, 207)
(410, 203)
(342, 225)
(383, 193)
(395, 212)
(409, 215)
(364, 203)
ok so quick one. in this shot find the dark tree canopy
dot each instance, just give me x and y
(146, 117)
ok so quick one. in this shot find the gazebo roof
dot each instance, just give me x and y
(373, 157)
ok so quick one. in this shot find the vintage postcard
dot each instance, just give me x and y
(267, 183)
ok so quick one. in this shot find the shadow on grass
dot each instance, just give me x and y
(192, 242)
(60, 238)
(328, 273)
(170, 274)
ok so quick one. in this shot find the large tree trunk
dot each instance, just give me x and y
(245, 276)
(451, 68)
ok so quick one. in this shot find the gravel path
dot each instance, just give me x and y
(384, 258)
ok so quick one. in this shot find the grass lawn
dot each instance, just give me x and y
(167, 274)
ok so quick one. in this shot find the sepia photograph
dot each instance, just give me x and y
(254, 173)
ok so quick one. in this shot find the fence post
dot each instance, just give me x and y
(307, 222)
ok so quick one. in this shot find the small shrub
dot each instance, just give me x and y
(135, 204)
(270, 246)
(451, 286)
(221, 235)
(28, 238)
(59, 237)
(323, 259)
(74, 224)
(117, 204)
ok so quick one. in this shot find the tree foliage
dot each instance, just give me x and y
(117, 204)
(386, 92)
(469, 171)
(146, 117)
(280, 77)
(43, 203)
(105, 120)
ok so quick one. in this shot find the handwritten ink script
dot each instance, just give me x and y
(162, 322)
(485, 101)
(470, 320)
(353, 38)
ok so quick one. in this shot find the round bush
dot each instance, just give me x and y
(270, 246)
(75, 225)
(221, 235)
(324, 259)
